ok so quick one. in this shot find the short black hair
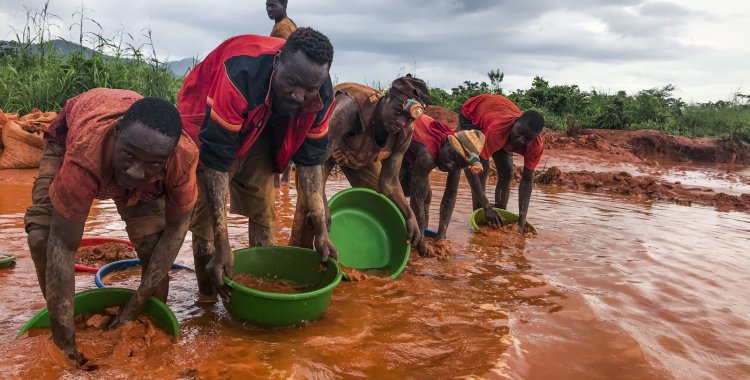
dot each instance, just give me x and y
(155, 113)
(533, 121)
(283, 3)
(314, 44)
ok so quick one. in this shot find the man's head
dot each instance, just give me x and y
(276, 9)
(460, 150)
(404, 91)
(526, 129)
(300, 69)
(145, 138)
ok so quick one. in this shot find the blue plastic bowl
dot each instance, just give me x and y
(122, 265)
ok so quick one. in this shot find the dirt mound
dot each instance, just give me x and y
(653, 145)
(99, 255)
(443, 114)
(623, 183)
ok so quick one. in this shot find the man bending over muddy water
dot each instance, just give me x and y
(370, 132)
(436, 145)
(110, 144)
(507, 130)
(254, 105)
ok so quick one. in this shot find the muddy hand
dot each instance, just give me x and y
(493, 218)
(218, 266)
(325, 247)
(125, 316)
(423, 249)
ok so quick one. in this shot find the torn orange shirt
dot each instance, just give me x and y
(85, 127)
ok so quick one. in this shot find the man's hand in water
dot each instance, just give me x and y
(325, 247)
(217, 267)
(492, 217)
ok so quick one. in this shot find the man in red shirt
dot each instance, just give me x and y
(435, 145)
(254, 105)
(507, 130)
(110, 144)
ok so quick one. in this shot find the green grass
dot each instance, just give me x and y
(33, 74)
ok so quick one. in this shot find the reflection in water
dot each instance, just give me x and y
(608, 289)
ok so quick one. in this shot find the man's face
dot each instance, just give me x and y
(393, 116)
(140, 153)
(449, 160)
(297, 81)
(519, 136)
(274, 9)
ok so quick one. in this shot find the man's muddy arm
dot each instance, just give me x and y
(524, 196)
(162, 257)
(448, 203)
(215, 185)
(391, 187)
(64, 239)
(477, 192)
(420, 186)
(312, 199)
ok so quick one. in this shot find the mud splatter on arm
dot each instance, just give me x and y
(524, 196)
(162, 257)
(64, 239)
(310, 180)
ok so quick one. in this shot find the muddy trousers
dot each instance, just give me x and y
(144, 222)
(252, 194)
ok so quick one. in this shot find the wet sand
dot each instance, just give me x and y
(613, 287)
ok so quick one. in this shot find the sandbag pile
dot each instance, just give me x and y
(22, 139)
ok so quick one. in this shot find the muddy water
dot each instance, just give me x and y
(609, 289)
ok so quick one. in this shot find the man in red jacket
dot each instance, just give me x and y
(254, 105)
(507, 130)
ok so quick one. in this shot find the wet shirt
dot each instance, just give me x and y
(283, 28)
(86, 128)
(494, 115)
(226, 101)
(358, 148)
(429, 132)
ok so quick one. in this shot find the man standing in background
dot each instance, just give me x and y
(284, 26)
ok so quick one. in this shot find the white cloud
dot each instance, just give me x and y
(613, 45)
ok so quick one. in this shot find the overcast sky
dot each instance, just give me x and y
(700, 46)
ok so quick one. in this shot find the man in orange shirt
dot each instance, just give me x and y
(110, 144)
(284, 26)
(507, 130)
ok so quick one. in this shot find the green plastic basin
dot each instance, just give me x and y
(7, 260)
(97, 300)
(478, 219)
(299, 266)
(369, 231)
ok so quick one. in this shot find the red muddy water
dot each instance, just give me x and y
(613, 287)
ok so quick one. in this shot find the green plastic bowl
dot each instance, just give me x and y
(97, 300)
(478, 219)
(369, 231)
(298, 266)
(7, 260)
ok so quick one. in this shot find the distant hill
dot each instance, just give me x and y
(178, 68)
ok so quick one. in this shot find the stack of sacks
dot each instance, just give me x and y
(23, 138)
